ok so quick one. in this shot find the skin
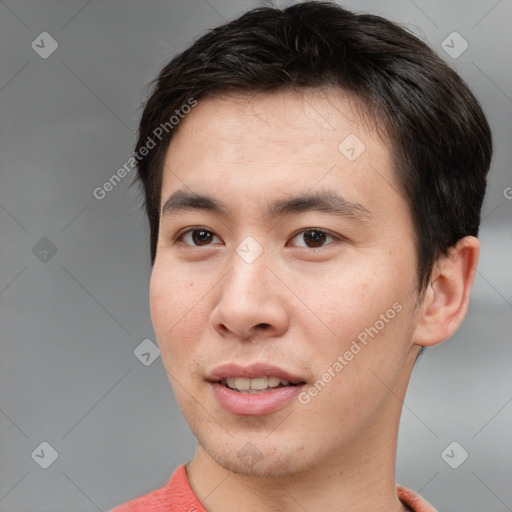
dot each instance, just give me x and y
(295, 306)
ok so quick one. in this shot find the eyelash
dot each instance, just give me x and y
(338, 238)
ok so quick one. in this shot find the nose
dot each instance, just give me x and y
(252, 302)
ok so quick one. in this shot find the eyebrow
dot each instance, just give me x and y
(325, 201)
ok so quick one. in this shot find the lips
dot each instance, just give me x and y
(253, 371)
(255, 390)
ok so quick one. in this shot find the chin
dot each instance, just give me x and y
(259, 457)
(265, 465)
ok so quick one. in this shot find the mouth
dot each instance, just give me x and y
(256, 385)
(256, 390)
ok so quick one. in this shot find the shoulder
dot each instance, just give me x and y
(175, 496)
(413, 500)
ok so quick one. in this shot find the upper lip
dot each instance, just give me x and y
(252, 371)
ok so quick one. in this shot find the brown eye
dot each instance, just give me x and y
(201, 236)
(197, 237)
(313, 238)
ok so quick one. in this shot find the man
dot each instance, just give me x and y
(313, 184)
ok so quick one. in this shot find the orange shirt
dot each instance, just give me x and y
(178, 496)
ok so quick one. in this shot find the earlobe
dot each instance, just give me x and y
(446, 298)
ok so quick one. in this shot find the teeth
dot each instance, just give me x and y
(257, 383)
(273, 382)
(242, 384)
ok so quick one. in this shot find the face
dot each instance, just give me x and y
(285, 251)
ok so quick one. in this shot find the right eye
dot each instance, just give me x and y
(197, 237)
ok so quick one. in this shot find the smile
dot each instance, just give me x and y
(257, 389)
(256, 385)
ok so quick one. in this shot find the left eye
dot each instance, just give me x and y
(313, 238)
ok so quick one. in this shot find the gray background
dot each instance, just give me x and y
(70, 321)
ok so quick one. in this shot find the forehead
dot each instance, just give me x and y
(278, 142)
(286, 116)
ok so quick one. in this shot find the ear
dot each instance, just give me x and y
(446, 298)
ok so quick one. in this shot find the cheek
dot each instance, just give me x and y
(371, 316)
(178, 303)
(346, 300)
